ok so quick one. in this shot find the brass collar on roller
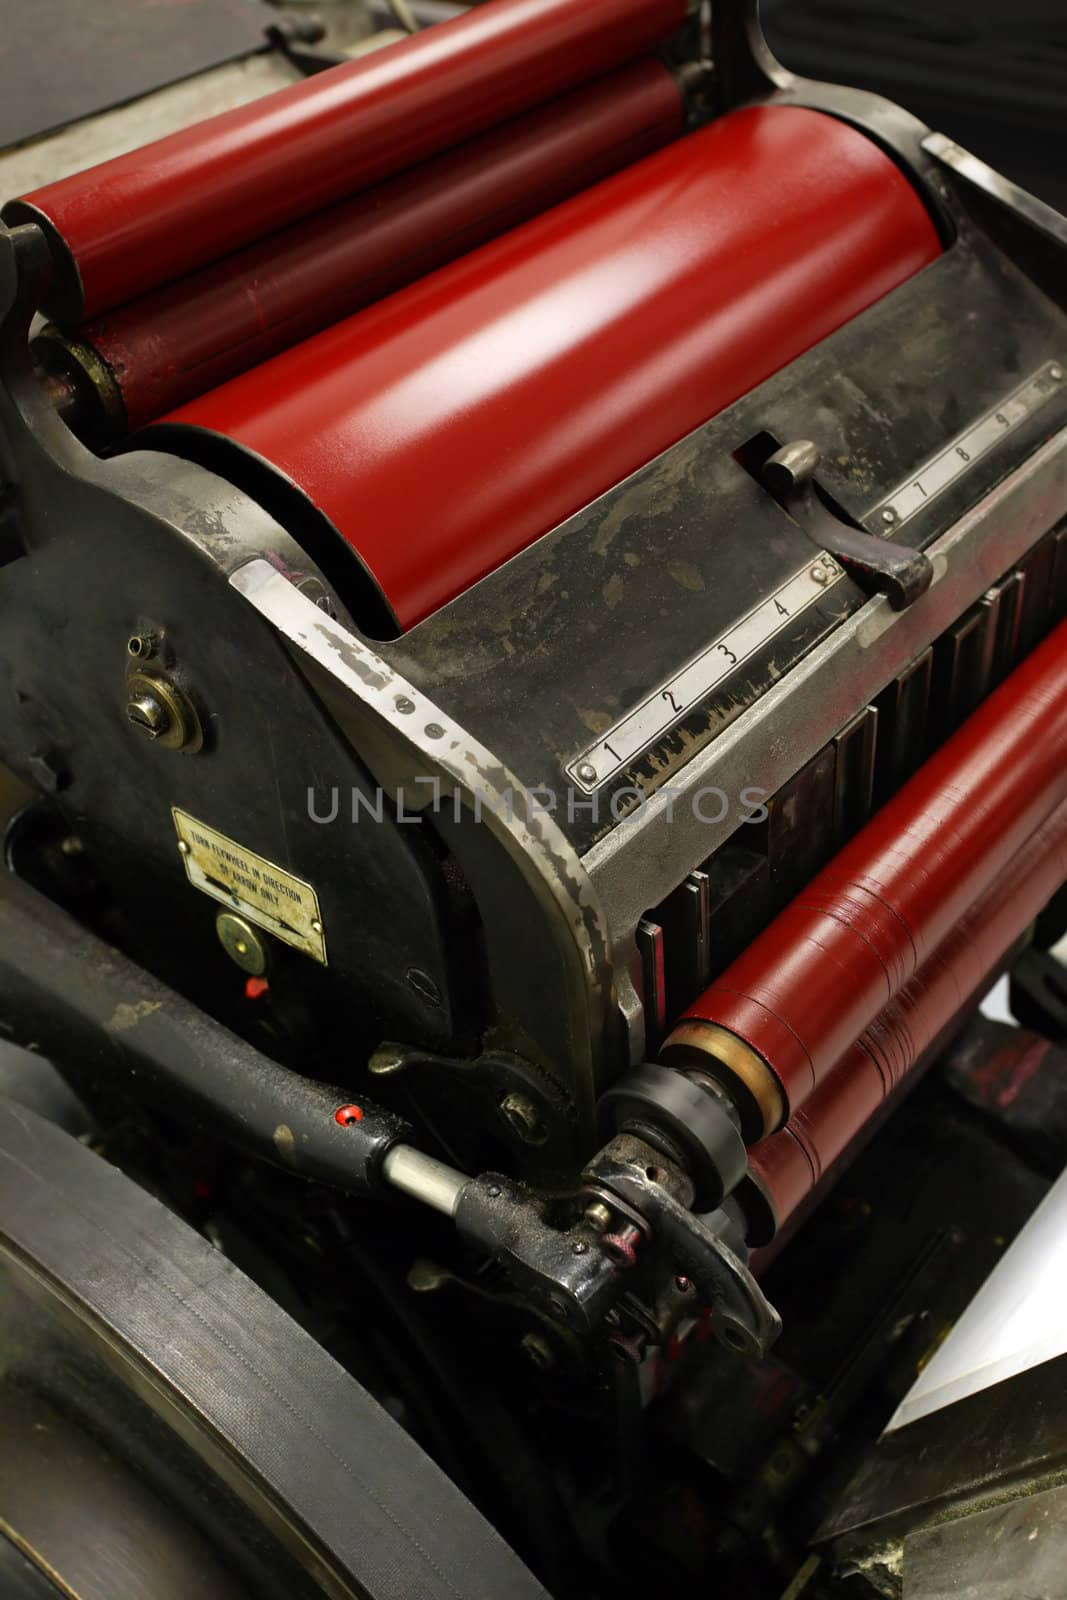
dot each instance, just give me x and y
(740, 1061)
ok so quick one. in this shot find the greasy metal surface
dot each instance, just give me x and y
(170, 345)
(412, 745)
(1000, 1553)
(146, 218)
(553, 648)
(819, 975)
(995, 1447)
(115, 546)
(444, 430)
(63, 60)
(789, 1165)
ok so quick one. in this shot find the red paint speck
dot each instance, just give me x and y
(346, 1115)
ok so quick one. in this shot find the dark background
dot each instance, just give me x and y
(993, 76)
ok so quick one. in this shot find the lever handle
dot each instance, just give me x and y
(877, 565)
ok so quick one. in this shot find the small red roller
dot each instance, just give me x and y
(788, 1166)
(159, 212)
(825, 969)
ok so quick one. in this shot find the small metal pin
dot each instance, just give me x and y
(889, 516)
(1056, 374)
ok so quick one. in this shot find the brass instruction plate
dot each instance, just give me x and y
(265, 893)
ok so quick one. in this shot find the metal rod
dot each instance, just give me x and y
(424, 1178)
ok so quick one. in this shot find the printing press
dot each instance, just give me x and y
(533, 711)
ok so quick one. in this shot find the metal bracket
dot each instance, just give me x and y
(876, 565)
(743, 1318)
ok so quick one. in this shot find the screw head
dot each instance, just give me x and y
(889, 516)
(147, 712)
(162, 712)
(819, 574)
(1056, 374)
(579, 1248)
(587, 772)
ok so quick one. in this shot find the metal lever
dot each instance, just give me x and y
(877, 565)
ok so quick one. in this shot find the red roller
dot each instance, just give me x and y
(192, 335)
(819, 975)
(446, 428)
(788, 1166)
(150, 216)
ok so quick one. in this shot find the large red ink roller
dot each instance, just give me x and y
(442, 430)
